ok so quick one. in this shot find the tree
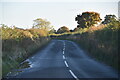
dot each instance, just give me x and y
(71, 30)
(109, 19)
(76, 29)
(63, 29)
(40, 23)
(52, 31)
(87, 19)
(3, 26)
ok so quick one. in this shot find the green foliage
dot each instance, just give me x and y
(38, 32)
(88, 19)
(103, 45)
(20, 43)
(76, 29)
(40, 23)
(80, 30)
(52, 31)
(63, 30)
(100, 42)
(109, 19)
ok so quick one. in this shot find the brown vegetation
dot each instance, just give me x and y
(19, 44)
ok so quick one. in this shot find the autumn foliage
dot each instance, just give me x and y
(87, 19)
(63, 29)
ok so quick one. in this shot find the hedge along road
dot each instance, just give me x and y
(64, 59)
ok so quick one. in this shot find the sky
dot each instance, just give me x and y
(21, 13)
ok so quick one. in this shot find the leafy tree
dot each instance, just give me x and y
(71, 30)
(3, 26)
(52, 31)
(40, 23)
(76, 29)
(109, 19)
(87, 19)
(63, 29)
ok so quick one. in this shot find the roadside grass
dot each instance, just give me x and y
(19, 44)
(100, 42)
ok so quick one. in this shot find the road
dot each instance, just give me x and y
(65, 59)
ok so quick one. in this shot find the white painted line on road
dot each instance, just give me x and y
(63, 52)
(64, 43)
(73, 75)
(63, 47)
(66, 64)
(63, 57)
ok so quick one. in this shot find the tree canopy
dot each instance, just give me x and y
(87, 19)
(63, 29)
(76, 29)
(40, 23)
(52, 31)
(109, 19)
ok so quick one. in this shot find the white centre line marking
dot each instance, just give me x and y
(66, 64)
(73, 75)
(63, 52)
(63, 57)
(64, 43)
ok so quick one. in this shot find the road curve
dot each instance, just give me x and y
(64, 59)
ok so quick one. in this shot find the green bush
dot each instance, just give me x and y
(19, 44)
(100, 42)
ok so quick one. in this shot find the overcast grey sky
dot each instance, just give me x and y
(59, 12)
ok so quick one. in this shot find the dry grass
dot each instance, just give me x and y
(94, 28)
(101, 42)
(18, 44)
